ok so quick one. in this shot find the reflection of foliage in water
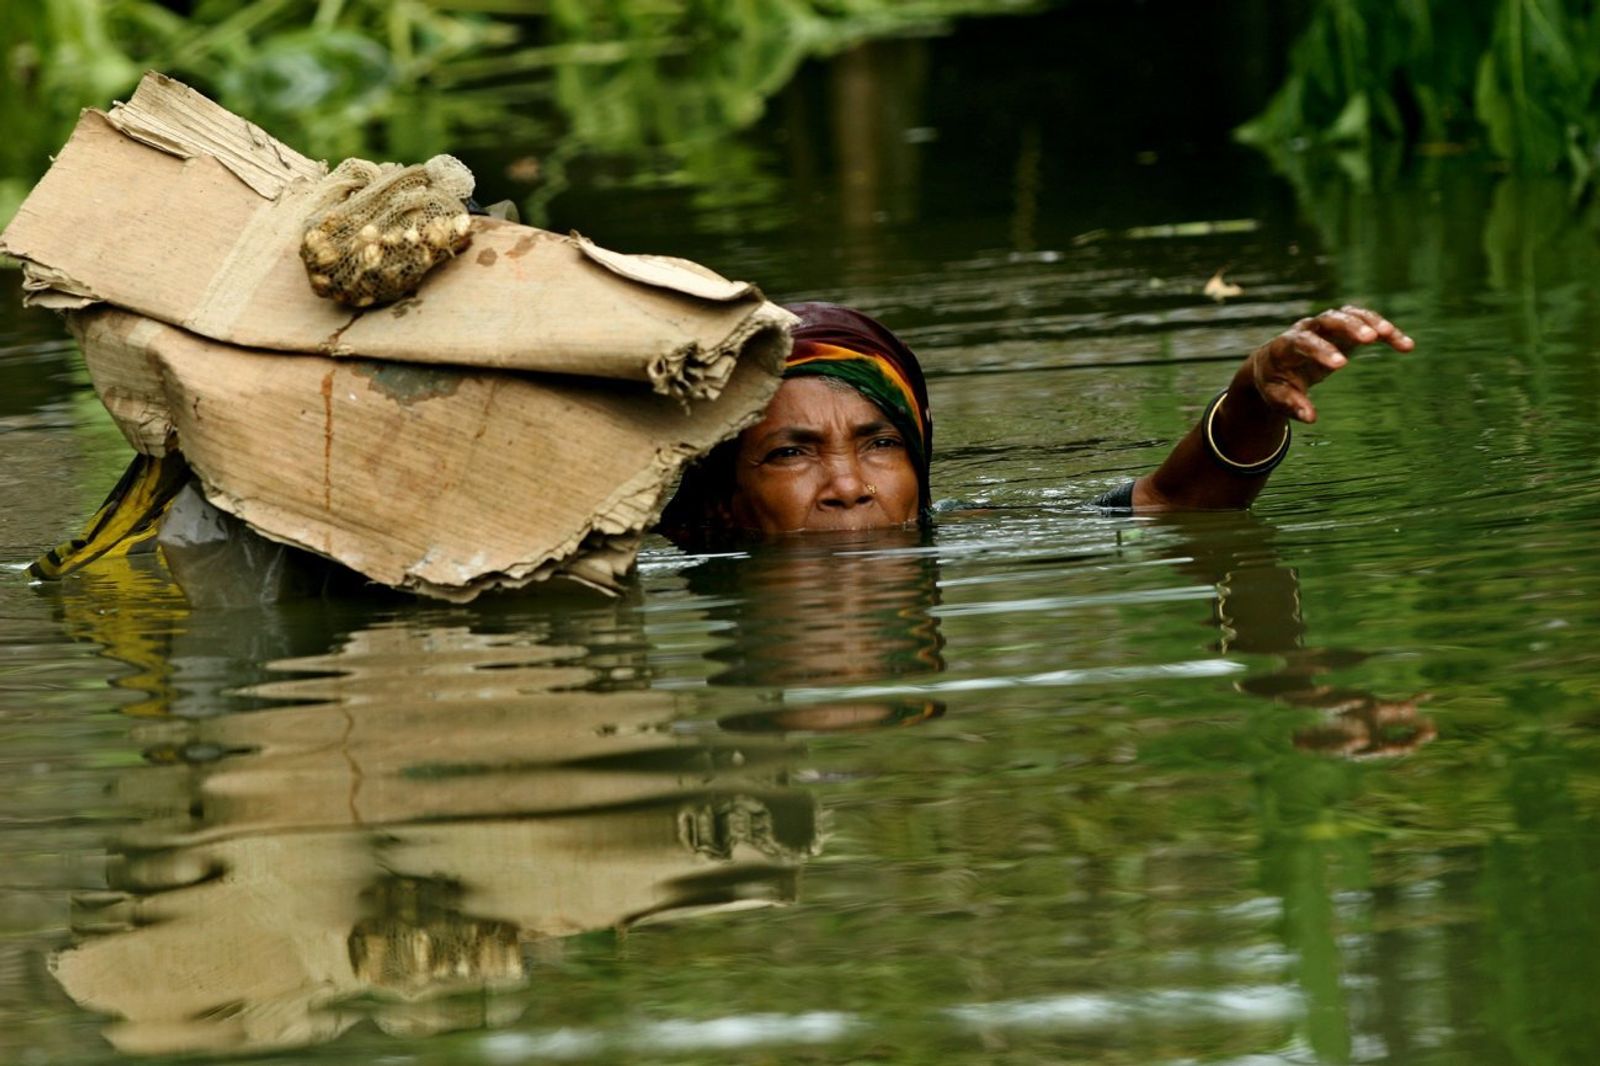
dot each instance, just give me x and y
(361, 77)
(1445, 236)
(1521, 75)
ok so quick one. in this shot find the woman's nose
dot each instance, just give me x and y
(846, 487)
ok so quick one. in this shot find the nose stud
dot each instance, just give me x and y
(872, 490)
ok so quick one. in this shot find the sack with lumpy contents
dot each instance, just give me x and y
(378, 228)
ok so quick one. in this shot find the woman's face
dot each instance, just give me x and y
(823, 457)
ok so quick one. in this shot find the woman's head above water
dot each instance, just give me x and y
(844, 444)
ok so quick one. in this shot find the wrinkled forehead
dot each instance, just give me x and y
(817, 404)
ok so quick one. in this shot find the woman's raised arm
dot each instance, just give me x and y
(1224, 461)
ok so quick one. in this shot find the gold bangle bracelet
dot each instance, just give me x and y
(1265, 466)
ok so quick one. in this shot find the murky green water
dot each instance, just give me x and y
(1313, 784)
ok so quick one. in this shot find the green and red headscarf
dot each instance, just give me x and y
(839, 342)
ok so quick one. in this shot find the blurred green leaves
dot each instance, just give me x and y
(404, 79)
(1536, 86)
(323, 75)
(1518, 78)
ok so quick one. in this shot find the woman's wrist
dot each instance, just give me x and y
(1224, 456)
(1242, 426)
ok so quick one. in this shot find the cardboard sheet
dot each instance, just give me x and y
(522, 416)
(449, 799)
(173, 207)
(434, 479)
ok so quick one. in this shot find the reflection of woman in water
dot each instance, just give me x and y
(847, 441)
(816, 614)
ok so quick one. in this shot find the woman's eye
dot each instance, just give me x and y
(786, 452)
(887, 442)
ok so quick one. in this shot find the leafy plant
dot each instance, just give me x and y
(1536, 85)
(1517, 77)
(409, 78)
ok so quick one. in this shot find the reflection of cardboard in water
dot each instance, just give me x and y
(257, 956)
(415, 938)
(543, 813)
(438, 724)
(247, 960)
(537, 755)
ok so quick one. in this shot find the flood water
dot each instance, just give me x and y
(1316, 783)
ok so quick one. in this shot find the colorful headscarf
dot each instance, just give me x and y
(841, 343)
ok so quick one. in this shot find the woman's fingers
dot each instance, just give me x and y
(1344, 328)
(1382, 328)
(1314, 348)
(1279, 377)
(1288, 400)
(1291, 363)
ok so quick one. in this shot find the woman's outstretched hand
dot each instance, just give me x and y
(1224, 461)
(1285, 368)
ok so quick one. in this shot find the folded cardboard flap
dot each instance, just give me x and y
(668, 272)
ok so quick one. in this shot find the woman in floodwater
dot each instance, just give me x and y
(847, 441)
(845, 444)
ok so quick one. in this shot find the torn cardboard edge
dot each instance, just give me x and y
(171, 117)
(196, 216)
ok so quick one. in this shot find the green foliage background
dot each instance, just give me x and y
(410, 78)
(1371, 82)
(1519, 79)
